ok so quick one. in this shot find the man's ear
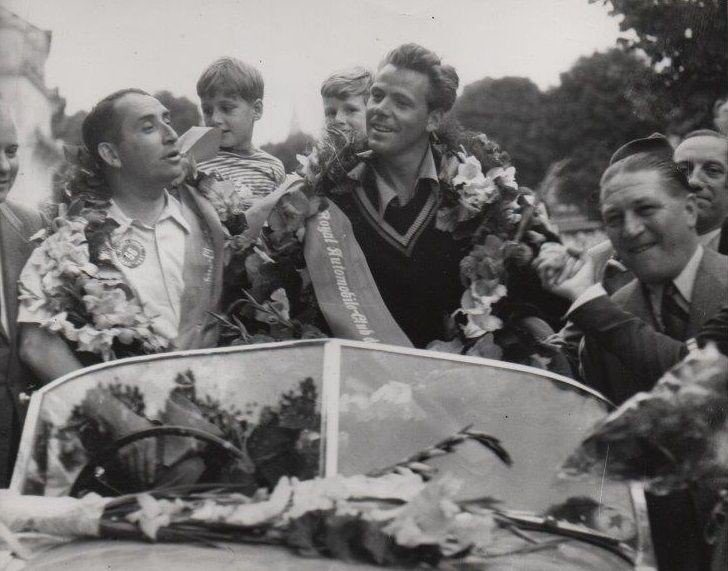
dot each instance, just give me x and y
(108, 154)
(691, 207)
(257, 109)
(434, 119)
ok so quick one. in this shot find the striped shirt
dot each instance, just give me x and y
(254, 175)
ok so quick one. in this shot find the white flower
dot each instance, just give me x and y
(469, 170)
(477, 308)
(506, 177)
(309, 165)
(476, 189)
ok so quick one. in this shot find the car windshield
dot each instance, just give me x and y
(322, 408)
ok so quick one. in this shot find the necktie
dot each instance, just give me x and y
(674, 317)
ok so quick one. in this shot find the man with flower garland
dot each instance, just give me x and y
(399, 280)
(146, 266)
(17, 225)
(394, 202)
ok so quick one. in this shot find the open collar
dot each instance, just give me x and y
(386, 193)
(172, 210)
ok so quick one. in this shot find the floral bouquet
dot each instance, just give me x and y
(395, 517)
(672, 436)
(267, 295)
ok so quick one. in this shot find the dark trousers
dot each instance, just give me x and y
(677, 532)
(9, 425)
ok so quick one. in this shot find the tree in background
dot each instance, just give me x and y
(183, 112)
(686, 42)
(509, 110)
(602, 102)
(297, 143)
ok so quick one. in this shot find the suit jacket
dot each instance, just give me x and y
(17, 224)
(623, 354)
(721, 244)
(616, 371)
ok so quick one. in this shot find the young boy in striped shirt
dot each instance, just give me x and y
(231, 93)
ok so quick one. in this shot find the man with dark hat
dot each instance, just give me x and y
(650, 215)
(703, 157)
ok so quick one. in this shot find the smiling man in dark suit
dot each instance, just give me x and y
(17, 224)
(650, 215)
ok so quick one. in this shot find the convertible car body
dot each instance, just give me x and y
(328, 407)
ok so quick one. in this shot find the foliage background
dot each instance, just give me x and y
(664, 74)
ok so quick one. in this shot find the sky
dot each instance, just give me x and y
(99, 46)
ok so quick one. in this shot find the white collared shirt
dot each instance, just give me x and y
(427, 171)
(151, 259)
(684, 282)
(711, 239)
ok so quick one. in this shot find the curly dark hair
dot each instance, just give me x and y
(444, 79)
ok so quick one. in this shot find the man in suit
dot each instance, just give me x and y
(17, 224)
(703, 157)
(650, 216)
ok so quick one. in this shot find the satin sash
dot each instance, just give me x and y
(345, 288)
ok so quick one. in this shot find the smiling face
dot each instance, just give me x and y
(704, 159)
(398, 115)
(8, 153)
(652, 231)
(348, 114)
(234, 116)
(147, 150)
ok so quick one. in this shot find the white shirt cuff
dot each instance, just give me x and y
(592, 292)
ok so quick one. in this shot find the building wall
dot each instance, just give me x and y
(32, 111)
(23, 53)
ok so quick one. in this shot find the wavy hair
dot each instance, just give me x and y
(444, 79)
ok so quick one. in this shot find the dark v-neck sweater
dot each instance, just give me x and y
(420, 284)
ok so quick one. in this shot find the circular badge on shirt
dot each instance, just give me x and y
(131, 253)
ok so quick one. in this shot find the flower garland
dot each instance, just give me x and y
(89, 301)
(480, 202)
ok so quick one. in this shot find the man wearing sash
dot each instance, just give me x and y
(167, 248)
(399, 278)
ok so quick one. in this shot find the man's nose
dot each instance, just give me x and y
(380, 107)
(340, 118)
(216, 118)
(694, 178)
(633, 225)
(4, 163)
(170, 135)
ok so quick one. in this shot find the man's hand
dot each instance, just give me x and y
(139, 458)
(564, 271)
